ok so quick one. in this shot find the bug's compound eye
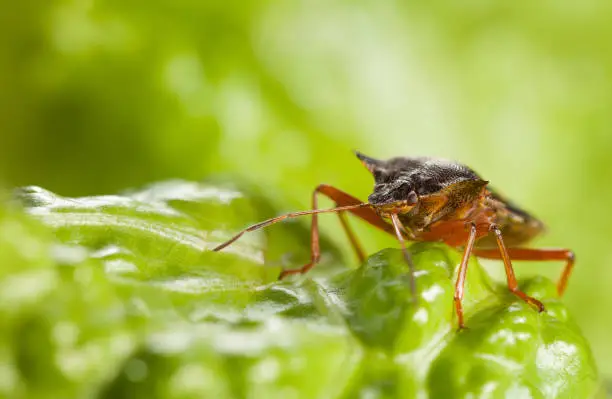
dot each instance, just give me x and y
(405, 192)
(413, 198)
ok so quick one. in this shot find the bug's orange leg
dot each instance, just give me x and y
(397, 225)
(460, 284)
(345, 202)
(342, 199)
(315, 249)
(543, 254)
(352, 238)
(512, 283)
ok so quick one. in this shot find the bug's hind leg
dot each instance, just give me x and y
(512, 283)
(342, 199)
(542, 254)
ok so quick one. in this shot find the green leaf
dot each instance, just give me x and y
(120, 296)
(63, 325)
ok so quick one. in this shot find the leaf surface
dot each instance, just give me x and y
(120, 296)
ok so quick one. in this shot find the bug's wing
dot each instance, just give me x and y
(517, 225)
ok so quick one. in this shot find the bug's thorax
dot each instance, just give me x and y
(453, 226)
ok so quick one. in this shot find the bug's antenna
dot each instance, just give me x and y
(397, 224)
(277, 219)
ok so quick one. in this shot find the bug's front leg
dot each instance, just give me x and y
(315, 249)
(341, 199)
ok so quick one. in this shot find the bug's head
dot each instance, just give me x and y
(403, 184)
(393, 193)
(397, 196)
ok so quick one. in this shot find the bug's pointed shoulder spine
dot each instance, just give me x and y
(370, 163)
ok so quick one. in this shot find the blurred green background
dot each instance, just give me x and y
(98, 96)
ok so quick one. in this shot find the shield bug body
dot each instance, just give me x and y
(427, 199)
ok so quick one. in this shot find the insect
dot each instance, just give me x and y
(428, 199)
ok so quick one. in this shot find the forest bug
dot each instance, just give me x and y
(428, 199)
